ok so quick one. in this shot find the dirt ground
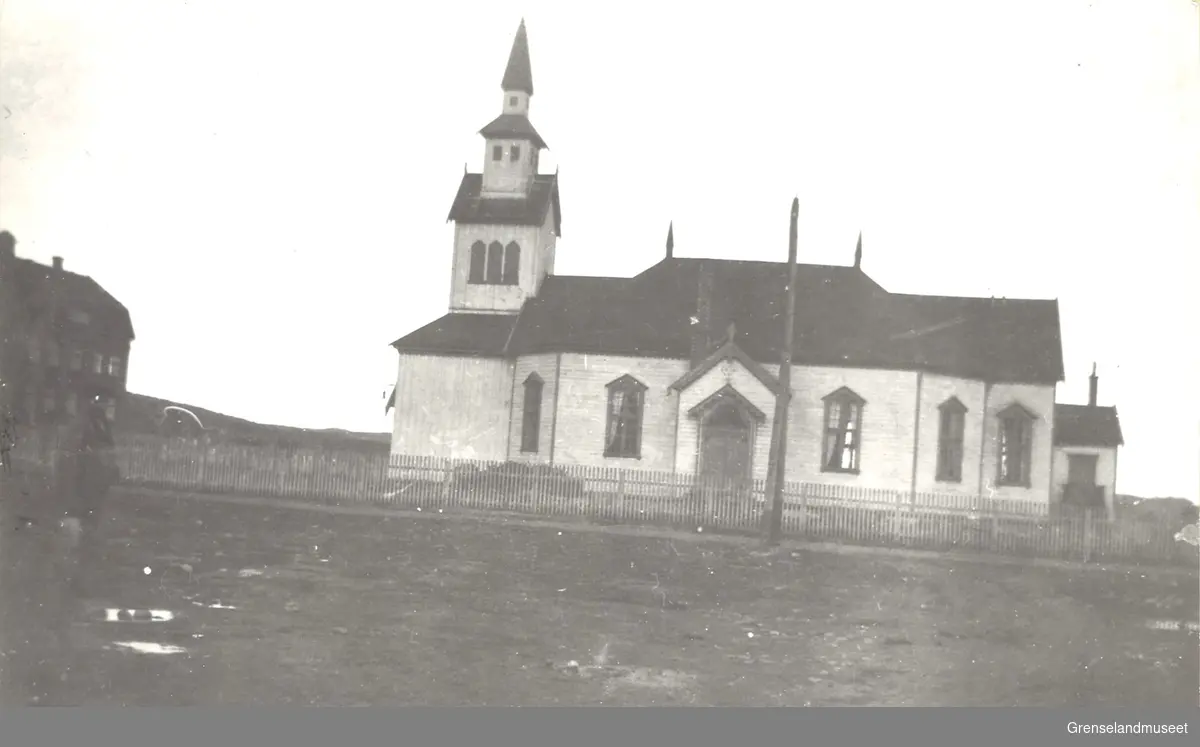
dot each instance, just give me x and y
(285, 606)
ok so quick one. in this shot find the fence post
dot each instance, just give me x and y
(449, 477)
(1087, 534)
(896, 531)
(803, 528)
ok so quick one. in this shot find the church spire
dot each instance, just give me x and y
(858, 252)
(518, 76)
(671, 240)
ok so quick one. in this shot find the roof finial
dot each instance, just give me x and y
(671, 240)
(518, 75)
(858, 252)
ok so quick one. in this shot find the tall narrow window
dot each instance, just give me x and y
(1015, 446)
(623, 428)
(843, 431)
(497, 152)
(97, 363)
(72, 403)
(76, 360)
(514, 155)
(951, 426)
(512, 263)
(114, 367)
(495, 262)
(478, 263)
(49, 402)
(531, 414)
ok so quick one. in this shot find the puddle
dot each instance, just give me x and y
(112, 614)
(1191, 627)
(145, 647)
(214, 605)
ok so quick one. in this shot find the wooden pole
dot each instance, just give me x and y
(777, 470)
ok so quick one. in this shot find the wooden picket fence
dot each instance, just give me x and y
(813, 511)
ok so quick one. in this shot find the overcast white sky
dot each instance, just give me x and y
(265, 183)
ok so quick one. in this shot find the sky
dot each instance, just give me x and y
(264, 184)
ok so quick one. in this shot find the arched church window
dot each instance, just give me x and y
(495, 260)
(478, 262)
(512, 263)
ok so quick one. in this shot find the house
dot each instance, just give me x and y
(1086, 440)
(675, 369)
(65, 339)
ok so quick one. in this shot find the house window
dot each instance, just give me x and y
(110, 409)
(515, 154)
(35, 352)
(497, 152)
(951, 427)
(512, 100)
(843, 431)
(478, 263)
(49, 402)
(72, 403)
(1016, 446)
(623, 429)
(51, 354)
(531, 415)
(512, 263)
(76, 360)
(97, 363)
(114, 367)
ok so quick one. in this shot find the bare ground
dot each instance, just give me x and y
(357, 610)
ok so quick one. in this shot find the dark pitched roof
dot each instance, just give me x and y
(843, 318)
(470, 208)
(518, 75)
(513, 127)
(39, 290)
(483, 335)
(1081, 425)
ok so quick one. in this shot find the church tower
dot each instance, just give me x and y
(506, 218)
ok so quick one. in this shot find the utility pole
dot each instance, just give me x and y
(777, 461)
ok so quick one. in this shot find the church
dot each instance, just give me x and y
(676, 368)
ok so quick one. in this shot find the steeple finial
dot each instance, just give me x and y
(518, 76)
(858, 252)
(671, 240)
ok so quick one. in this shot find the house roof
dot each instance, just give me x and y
(470, 208)
(518, 74)
(1081, 425)
(40, 289)
(842, 318)
(513, 127)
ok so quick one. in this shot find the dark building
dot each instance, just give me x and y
(63, 339)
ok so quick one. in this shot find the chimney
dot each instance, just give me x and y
(1093, 384)
(702, 322)
(8, 245)
(57, 262)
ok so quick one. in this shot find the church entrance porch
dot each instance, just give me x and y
(724, 469)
